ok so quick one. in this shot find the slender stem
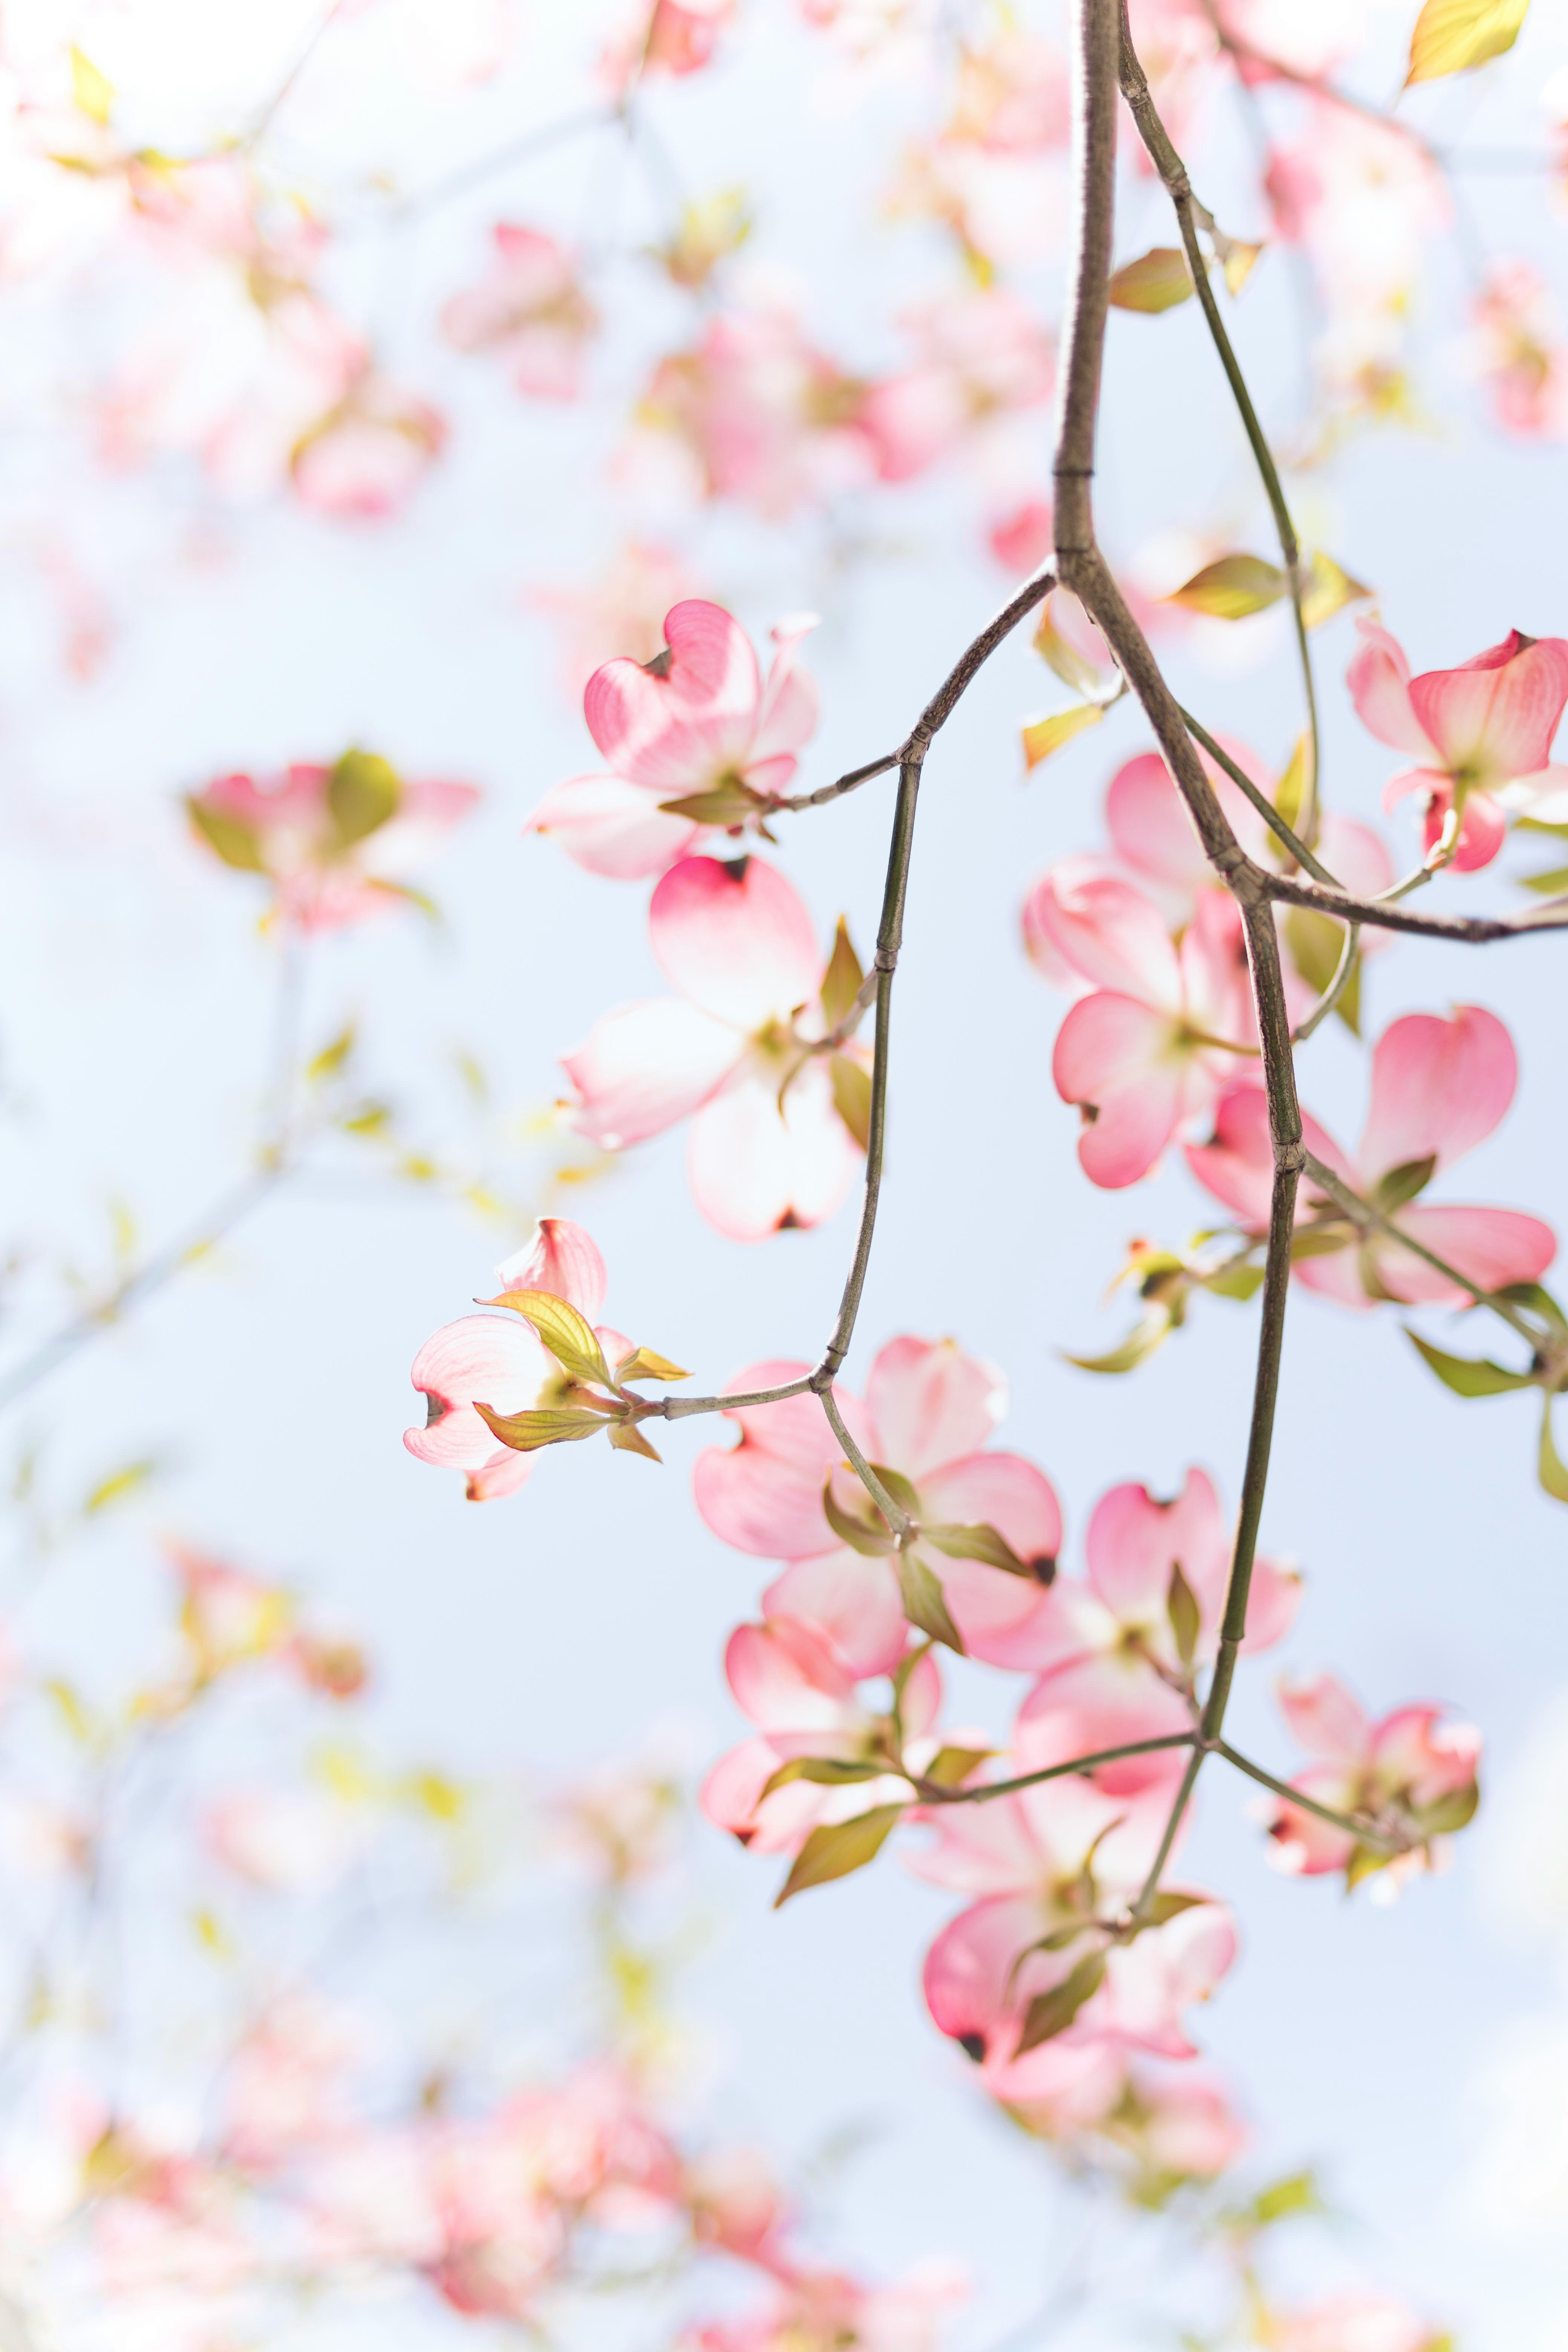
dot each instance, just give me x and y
(1095, 39)
(932, 1794)
(1336, 987)
(943, 703)
(899, 1521)
(1357, 1828)
(1384, 915)
(1260, 801)
(673, 1408)
(1151, 1885)
(1362, 1213)
(1172, 172)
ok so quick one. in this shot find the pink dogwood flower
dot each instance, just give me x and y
(1151, 1047)
(672, 36)
(335, 842)
(1157, 2125)
(1482, 736)
(800, 1687)
(361, 460)
(928, 1413)
(531, 310)
(1518, 352)
(980, 356)
(737, 1051)
(499, 1361)
(1061, 1863)
(1438, 1088)
(1357, 2322)
(699, 721)
(1410, 1776)
(1119, 1650)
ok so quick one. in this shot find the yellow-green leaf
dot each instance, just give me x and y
(1453, 36)
(627, 1438)
(116, 1487)
(1552, 1474)
(1232, 588)
(1050, 2013)
(1157, 280)
(1044, 736)
(642, 1364)
(823, 1771)
(1061, 655)
(525, 1433)
(925, 1604)
(1327, 590)
(362, 792)
(1135, 1349)
(730, 803)
(981, 1542)
(841, 980)
(1314, 942)
(331, 1058)
(92, 90)
(1181, 1608)
(852, 1095)
(226, 838)
(951, 1767)
(1240, 260)
(568, 1335)
(838, 1848)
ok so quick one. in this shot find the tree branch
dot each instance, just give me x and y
(932, 1793)
(1357, 1828)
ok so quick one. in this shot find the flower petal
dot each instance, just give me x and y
(643, 1067)
(790, 705)
(765, 1495)
(754, 1170)
(612, 827)
(493, 1358)
(1379, 681)
(677, 733)
(931, 1403)
(563, 1258)
(1492, 1247)
(1496, 715)
(1438, 1087)
(1133, 1543)
(1117, 1057)
(1325, 1719)
(736, 940)
(852, 1600)
(1109, 931)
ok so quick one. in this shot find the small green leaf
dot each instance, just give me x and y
(1328, 590)
(1314, 942)
(983, 1542)
(1538, 1300)
(227, 838)
(1044, 736)
(924, 1605)
(1167, 1904)
(92, 91)
(1455, 36)
(1290, 791)
(841, 980)
(117, 1487)
(362, 792)
(1232, 588)
(1282, 2200)
(728, 803)
(642, 1364)
(1050, 2013)
(1234, 1281)
(1469, 1376)
(1156, 281)
(871, 1542)
(826, 1771)
(1135, 1349)
(1239, 261)
(568, 1335)
(1404, 1182)
(838, 1848)
(852, 1095)
(1549, 884)
(525, 1433)
(330, 1061)
(1447, 1814)
(1186, 1620)
(627, 1438)
(1552, 1474)
(951, 1767)
(1365, 1862)
(1060, 654)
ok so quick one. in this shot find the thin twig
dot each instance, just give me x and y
(1361, 1212)
(1358, 1829)
(931, 1793)
(1260, 801)
(1385, 915)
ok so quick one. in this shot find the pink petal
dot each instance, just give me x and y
(563, 1258)
(1149, 1984)
(1359, 857)
(644, 1066)
(1119, 1058)
(1325, 1720)
(1272, 1602)
(493, 1358)
(1215, 989)
(1101, 1701)
(1148, 820)
(786, 1677)
(1437, 1086)
(968, 1969)
(765, 1496)
(680, 733)
(790, 705)
(1415, 1754)
(1543, 795)
(502, 1473)
(1003, 1491)
(731, 1798)
(852, 1600)
(753, 1172)
(735, 940)
(1133, 1543)
(1109, 932)
(1496, 715)
(1304, 1844)
(1237, 1165)
(931, 1403)
(1492, 1247)
(613, 827)
(1379, 681)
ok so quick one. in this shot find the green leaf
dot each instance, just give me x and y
(1448, 1813)
(826, 1771)
(1232, 588)
(838, 1848)
(1365, 1862)
(1135, 1349)
(1083, 676)
(730, 803)
(1282, 2200)
(1050, 2013)
(1314, 942)
(841, 980)
(525, 1433)
(330, 1061)
(225, 837)
(925, 1604)
(1234, 1281)
(1328, 590)
(627, 1438)
(1239, 260)
(1455, 36)
(1550, 883)
(568, 1335)
(1538, 1300)
(1552, 1474)
(1469, 1376)
(362, 792)
(983, 1542)
(1044, 736)
(1156, 281)
(642, 1364)
(1181, 1608)
(852, 1095)
(872, 1542)
(92, 91)
(1290, 792)
(1404, 1182)
(951, 1767)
